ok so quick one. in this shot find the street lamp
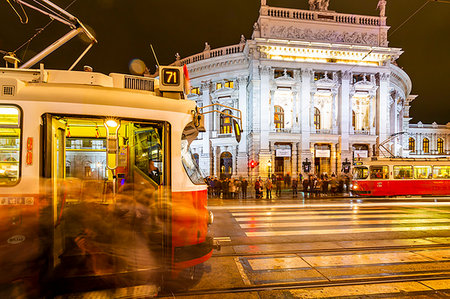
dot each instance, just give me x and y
(269, 164)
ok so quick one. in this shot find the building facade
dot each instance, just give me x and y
(316, 89)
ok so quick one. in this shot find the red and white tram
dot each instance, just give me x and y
(83, 156)
(401, 176)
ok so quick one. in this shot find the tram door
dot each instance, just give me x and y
(107, 194)
(54, 171)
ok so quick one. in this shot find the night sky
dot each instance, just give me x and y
(126, 28)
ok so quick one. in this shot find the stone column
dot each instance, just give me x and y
(294, 159)
(382, 106)
(345, 115)
(207, 154)
(264, 154)
(242, 155)
(305, 119)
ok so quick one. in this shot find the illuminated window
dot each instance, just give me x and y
(379, 172)
(426, 146)
(441, 172)
(226, 126)
(403, 172)
(10, 136)
(422, 172)
(219, 86)
(354, 120)
(317, 119)
(229, 84)
(318, 75)
(412, 144)
(278, 117)
(195, 90)
(440, 146)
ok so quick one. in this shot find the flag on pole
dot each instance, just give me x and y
(187, 82)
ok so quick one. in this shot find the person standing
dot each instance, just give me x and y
(294, 186)
(278, 186)
(244, 186)
(269, 187)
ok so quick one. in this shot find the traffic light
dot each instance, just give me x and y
(252, 164)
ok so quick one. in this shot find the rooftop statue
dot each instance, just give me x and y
(382, 7)
(318, 4)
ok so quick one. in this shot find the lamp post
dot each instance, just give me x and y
(269, 165)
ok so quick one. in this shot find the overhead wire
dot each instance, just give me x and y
(39, 31)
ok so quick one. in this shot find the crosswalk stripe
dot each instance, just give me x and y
(340, 223)
(349, 215)
(343, 231)
(287, 213)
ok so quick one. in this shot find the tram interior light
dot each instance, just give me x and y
(111, 123)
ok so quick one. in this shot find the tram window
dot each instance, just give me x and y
(403, 172)
(149, 154)
(187, 158)
(10, 138)
(441, 172)
(360, 173)
(379, 172)
(422, 172)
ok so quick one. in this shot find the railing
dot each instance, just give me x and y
(360, 132)
(282, 130)
(239, 48)
(309, 15)
(324, 131)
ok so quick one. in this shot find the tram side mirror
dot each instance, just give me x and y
(112, 143)
(237, 130)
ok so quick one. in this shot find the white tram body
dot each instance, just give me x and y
(49, 116)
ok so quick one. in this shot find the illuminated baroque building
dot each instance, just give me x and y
(314, 86)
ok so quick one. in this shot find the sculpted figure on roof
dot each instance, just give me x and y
(318, 4)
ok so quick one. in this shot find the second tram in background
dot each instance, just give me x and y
(401, 176)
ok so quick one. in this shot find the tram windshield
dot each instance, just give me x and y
(360, 173)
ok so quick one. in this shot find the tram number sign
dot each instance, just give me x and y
(171, 76)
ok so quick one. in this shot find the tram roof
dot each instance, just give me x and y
(379, 160)
(74, 84)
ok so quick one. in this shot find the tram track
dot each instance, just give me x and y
(308, 285)
(331, 250)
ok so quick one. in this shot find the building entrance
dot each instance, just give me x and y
(322, 159)
(226, 165)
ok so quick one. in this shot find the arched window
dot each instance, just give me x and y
(226, 126)
(426, 146)
(278, 117)
(317, 119)
(412, 144)
(440, 145)
(353, 119)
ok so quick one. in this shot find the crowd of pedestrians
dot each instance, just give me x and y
(311, 186)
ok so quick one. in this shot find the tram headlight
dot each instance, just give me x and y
(210, 218)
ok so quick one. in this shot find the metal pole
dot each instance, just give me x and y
(48, 14)
(50, 49)
(81, 56)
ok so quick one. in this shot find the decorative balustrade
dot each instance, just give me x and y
(360, 132)
(239, 48)
(309, 15)
(324, 131)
